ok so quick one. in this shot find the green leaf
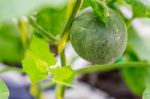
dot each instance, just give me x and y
(39, 59)
(146, 94)
(136, 78)
(4, 92)
(11, 49)
(39, 49)
(18, 8)
(52, 20)
(141, 8)
(134, 40)
(63, 75)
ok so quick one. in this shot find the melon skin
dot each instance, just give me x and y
(97, 42)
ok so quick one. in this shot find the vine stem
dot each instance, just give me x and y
(60, 90)
(105, 68)
(72, 16)
(63, 39)
(8, 69)
(101, 9)
(23, 31)
(129, 22)
(63, 58)
(39, 91)
(41, 30)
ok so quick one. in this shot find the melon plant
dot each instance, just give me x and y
(97, 29)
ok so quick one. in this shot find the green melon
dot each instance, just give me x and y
(97, 42)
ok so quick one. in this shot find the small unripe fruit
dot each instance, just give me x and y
(98, 42)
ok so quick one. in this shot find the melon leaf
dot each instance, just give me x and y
(141, 8)
(63, 75)
(52, 20)
(136, 78)
(18, 8)
(38, 60)
(11, 49)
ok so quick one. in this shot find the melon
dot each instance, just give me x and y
(98, 42)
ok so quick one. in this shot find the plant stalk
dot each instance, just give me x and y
(64, 37)
(101, 9)
(39, 94)
(60, 90)
(72, 16)
(63, 59)
(129, 22)
(9, 69)
(23, 31)
(105, 68)
(40, 30)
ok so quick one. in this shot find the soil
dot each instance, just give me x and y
(110, 82)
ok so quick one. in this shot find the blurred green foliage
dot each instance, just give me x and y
(137, 79)
(138, 44)
(146, 94)
(4, 92)
(52, 20)
(11, 49)
(141, 8)
(19, 8)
